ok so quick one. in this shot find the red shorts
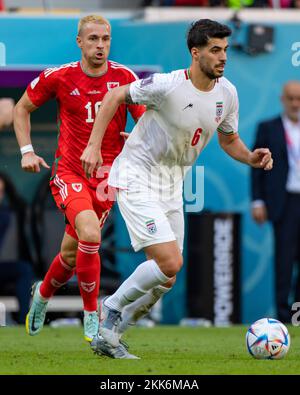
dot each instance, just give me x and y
(73, 194)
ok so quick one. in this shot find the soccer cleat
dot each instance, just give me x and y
(36, 316)
(109, 322)
(101, 347)
(91, 325)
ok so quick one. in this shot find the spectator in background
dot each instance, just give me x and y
(217, 3)
(280, 3)
(6, 112)
(295, 4)
(238, 4)
(13, 274)
(191, 3)
(276, 194)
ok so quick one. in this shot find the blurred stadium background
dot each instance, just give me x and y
(149, 37)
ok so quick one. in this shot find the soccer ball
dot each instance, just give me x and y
(268, 339)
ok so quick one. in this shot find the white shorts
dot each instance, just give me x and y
(150, 221)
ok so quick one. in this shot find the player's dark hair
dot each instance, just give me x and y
(202, 30)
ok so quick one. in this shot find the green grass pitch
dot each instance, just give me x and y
(163, 350)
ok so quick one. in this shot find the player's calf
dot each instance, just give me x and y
(167, 256)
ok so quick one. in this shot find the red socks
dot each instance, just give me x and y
(59, 273)
(88, 273)
(87, 270)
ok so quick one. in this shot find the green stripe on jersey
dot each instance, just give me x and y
(226, 133)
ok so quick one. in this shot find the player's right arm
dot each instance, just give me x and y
(30, 161)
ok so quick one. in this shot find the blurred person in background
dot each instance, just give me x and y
(276, 194)
(280, 3)
(13, 274)
(295, 4)
(6, 112)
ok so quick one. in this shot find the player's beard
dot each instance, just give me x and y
(209, 71)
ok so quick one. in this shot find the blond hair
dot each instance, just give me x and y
(100, 20)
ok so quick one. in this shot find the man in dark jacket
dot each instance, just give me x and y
(276, 194)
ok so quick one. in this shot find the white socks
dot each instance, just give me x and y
(136, 310)
(145, 277)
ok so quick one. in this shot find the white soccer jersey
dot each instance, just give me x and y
(179, 122)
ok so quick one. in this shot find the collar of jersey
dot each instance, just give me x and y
(93, 75)
(188, 77)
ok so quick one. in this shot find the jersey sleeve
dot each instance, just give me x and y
(152, 90)
(229, 125)
(136, 110)
(43, 88)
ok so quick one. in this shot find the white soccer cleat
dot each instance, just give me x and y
(101, 347)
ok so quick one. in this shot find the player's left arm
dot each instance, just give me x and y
(234, 146)
(231, 143)
(91, 157)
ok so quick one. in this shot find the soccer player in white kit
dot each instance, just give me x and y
(184, 109)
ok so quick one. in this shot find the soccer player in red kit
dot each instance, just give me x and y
(78, 88)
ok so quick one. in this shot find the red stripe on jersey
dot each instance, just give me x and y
(115, 65)
(51, 70)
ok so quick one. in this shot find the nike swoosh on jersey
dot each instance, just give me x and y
(188, 106)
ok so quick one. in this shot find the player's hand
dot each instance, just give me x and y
(125, 135)
(31, 163)
(259, 214)
(261, 158)
(91, 159)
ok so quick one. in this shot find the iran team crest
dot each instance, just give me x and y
(151, 226)
(77, 187)
(112, 85)
(219, 110)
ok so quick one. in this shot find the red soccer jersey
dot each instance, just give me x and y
(79, 97)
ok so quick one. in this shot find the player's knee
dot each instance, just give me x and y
(177, 265)
(170, 283)
(90, 233)
(172, 265)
